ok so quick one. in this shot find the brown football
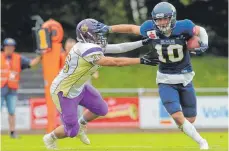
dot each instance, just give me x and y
(193, 42)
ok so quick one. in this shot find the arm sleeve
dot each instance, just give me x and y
(25, 62)
(123, 47)
(203, 35)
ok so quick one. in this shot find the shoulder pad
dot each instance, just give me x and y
(146, 26)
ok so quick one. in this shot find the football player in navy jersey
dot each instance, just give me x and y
(175, 73)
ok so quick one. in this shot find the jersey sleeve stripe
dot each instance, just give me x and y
(91, 50)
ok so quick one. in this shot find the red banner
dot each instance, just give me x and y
(39, 119)
(122, 112)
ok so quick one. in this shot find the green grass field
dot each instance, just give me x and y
(171, 141)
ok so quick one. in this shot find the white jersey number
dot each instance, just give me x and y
(170, 51)
(66, 65)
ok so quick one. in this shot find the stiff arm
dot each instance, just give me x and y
(134, 29)
(122, 47)
(126, 28)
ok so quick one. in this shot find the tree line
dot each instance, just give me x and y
(17, 23)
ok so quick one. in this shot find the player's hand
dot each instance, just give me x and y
(103, 28)
(149, 59)
(146, 41)
(203, 47)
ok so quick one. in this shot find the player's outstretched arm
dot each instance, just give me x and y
(123, 61)
(125, 47)
(125, 28)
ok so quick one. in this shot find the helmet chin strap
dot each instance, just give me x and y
(166, 30)
(167, 33)
(83, 38)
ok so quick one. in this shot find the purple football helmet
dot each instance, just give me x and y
(86, 32)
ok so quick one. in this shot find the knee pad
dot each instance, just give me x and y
(189, 112)
(103, 110)
(172, 107)
(71, 130)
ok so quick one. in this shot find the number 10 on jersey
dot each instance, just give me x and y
(170, 52)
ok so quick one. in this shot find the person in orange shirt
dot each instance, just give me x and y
(11, 65)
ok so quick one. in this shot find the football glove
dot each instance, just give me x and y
(198, 51)
(146, 41)
(149, 59)
(102, 28)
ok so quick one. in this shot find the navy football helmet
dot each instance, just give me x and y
(86, 31)
(164, 10)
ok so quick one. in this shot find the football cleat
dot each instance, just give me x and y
(49, 142)
(82, 134)
(204, 145)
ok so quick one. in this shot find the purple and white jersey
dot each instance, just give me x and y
(78, 69)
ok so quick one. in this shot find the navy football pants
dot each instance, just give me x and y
(176, 97)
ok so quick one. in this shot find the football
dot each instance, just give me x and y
(193, 42)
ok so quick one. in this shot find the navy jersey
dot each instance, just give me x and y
(172, 52)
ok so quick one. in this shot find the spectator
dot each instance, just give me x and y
(11, 65)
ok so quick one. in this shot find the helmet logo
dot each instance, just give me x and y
(160, 15)
(84, 28)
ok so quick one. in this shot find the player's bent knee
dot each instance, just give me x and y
(101, 109)
(178, 117)
(71, 130)
(190, 113)
(104, 109)
(191, 119)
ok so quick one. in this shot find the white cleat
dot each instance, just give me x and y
(204, 145)
(82, 134)
(49, 142)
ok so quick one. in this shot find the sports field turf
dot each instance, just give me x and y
(218, 141)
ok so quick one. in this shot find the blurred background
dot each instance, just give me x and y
(211, 14)
(127, 86)
(17, 23)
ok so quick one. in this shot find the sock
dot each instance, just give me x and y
(82, 120)
(52, 135)
(190, 130)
